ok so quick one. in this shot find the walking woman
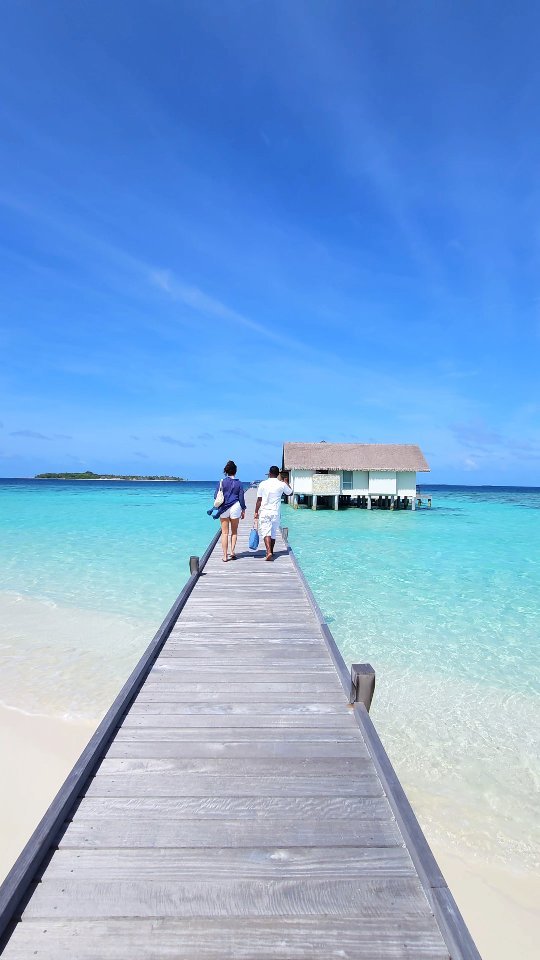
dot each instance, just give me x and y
(231, 510)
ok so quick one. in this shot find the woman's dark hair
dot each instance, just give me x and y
(230, 468)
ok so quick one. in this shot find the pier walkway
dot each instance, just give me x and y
(233, 805)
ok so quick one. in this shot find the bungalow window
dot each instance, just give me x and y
(347, 479)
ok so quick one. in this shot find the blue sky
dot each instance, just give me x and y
(227, 224)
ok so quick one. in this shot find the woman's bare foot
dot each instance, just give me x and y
(232, 556)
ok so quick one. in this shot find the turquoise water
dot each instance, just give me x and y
(443, 602)
(88, 571)
(119, 547)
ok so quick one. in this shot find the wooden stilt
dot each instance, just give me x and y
(314, 502)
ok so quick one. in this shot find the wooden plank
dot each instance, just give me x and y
(284, 671)
(231, 833)
(239, 688)
(383, 898)
(262, 735)
(303, 749)
(234, 808)
(253, 766)
(252, 711)
(305, 938)
(247, 629)
(179, 785)
(159, 715)
(191, 863)
(169, 693)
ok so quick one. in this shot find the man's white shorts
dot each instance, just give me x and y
(233, 513)
(268, 525)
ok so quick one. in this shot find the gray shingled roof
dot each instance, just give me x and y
(354, 456)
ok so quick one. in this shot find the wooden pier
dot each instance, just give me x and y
(234, 804)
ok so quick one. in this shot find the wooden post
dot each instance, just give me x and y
(391, 503)
(413, 502)
(369, 502)
(314, 502)
(429, 502)
(336, 501)
(193, 565)
(295, 501)
(363, 684)
(285, 534)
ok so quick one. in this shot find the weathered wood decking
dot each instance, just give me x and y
(240, 809)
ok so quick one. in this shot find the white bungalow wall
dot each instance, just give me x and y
(375, 482)
(382, 481)
(301, 481)
(360, 483)
(406, 483)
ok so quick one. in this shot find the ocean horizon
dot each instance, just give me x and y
(443, 602)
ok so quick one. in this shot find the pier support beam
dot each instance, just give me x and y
(369, 503)
(336, 501)
(413, 503)
(363, 683)
(295, 501)
(314, 502)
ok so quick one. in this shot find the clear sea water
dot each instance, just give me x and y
(445, 603)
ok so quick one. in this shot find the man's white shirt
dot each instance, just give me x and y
(271, 491)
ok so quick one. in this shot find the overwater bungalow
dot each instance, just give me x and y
(380, 475)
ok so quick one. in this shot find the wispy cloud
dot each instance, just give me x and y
(237, 433)
(267, 443)
(486, 444)
(31, 434)
(142, 456)
(175, 442)
(209, 306)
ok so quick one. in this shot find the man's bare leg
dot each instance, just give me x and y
(269, 544)
(272, 545)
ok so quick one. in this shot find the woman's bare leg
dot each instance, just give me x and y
(234, 535)
(225, 536)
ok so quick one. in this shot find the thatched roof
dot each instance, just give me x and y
(354, 456)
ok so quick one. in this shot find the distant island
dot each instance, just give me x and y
(89, 475)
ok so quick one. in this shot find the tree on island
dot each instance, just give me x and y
(90, 475)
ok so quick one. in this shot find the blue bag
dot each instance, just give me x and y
(253, 539)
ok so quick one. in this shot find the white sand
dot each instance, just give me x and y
(500, 906)
(36, 755)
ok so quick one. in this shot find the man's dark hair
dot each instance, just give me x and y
(230, 468)
(273, 472)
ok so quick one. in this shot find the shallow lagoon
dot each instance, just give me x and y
(443, 602)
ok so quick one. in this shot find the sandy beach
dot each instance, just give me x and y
(37, 753)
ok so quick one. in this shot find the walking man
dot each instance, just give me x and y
(267, 508)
